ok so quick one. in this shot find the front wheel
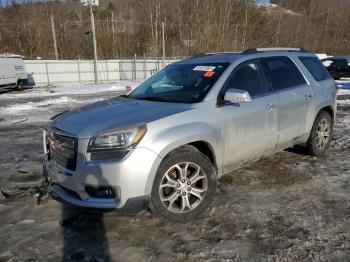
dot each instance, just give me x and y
(184, 185)
(321, 134)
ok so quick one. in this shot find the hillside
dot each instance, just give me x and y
(128, 27)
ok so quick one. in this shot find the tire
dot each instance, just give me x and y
(315, 146)
(19, 85)
(183, 205)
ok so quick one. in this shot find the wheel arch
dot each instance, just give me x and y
(203, 136)
(202, 146)
(206, 149)
(329, 109)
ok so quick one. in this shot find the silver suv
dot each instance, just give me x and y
(167, 142)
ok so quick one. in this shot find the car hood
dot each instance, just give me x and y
(106, 115)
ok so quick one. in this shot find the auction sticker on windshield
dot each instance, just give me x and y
(204, 68)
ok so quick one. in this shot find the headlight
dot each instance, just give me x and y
(120, 139)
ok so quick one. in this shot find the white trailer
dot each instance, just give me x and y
(12, 71)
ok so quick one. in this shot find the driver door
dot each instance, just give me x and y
(249, 130)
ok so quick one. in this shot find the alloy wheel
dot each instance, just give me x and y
(183, 187)
(322, 134)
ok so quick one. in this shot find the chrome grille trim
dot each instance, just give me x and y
(62, 148)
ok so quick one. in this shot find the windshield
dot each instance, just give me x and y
(180, 83)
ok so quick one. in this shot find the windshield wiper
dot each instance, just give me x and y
(152, 98)
(125, 96)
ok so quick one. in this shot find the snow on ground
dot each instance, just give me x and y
(344, 86)
(343, 92)
(40, 104)
(71, 90)
(346, 121)
(344, 102)
(29, 106)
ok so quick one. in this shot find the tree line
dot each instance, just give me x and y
(128, 27)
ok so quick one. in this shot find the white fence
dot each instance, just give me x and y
(54, 72)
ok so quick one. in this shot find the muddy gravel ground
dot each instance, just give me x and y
(288, 207)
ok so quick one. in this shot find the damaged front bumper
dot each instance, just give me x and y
(69, 197)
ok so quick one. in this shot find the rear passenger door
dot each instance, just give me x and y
(295, 99)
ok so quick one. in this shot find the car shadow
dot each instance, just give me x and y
(300, 150)
(84, 233)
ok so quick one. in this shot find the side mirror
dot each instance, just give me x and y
(236, 96)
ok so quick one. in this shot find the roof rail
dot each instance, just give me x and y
(215, 53)
(222, 53)
(197, 55)
(274, 49)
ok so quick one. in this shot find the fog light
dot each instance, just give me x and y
(101, 192)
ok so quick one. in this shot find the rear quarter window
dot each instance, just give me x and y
(316, 68)
(283, 73)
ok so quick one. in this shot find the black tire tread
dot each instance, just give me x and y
(183, 153)
(310, 144)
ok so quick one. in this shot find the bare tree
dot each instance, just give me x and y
(126, 27)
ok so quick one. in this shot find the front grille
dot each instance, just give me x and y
(62, 149)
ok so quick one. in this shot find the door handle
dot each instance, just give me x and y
(269, 107)
(307, 96)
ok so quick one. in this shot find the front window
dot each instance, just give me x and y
(249, 77)
(180, 83)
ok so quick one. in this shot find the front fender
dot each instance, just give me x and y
(169, 139)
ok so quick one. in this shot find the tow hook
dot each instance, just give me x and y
(45, 189)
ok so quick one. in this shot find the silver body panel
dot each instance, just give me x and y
(236, 133)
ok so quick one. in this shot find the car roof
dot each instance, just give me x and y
(211, 58)
(230, 57)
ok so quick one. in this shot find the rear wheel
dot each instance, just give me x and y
(321, 134)
(184, 185)
(19, 85)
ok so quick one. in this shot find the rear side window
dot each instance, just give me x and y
(316, 68)
(283, 73)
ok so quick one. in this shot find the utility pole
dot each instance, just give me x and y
(297, 33)
(94, 45)
(235, 41)
(114, 48)
(278, 30)
(245, 27)
(54, 37)
(163, 45)
(326, 31)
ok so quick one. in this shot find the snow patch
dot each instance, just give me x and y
(72, 90)
(267, 5)
(346, 121)
(273, 7)
(343, 102)
(24, 107)
(344, 86)
(327, 63)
